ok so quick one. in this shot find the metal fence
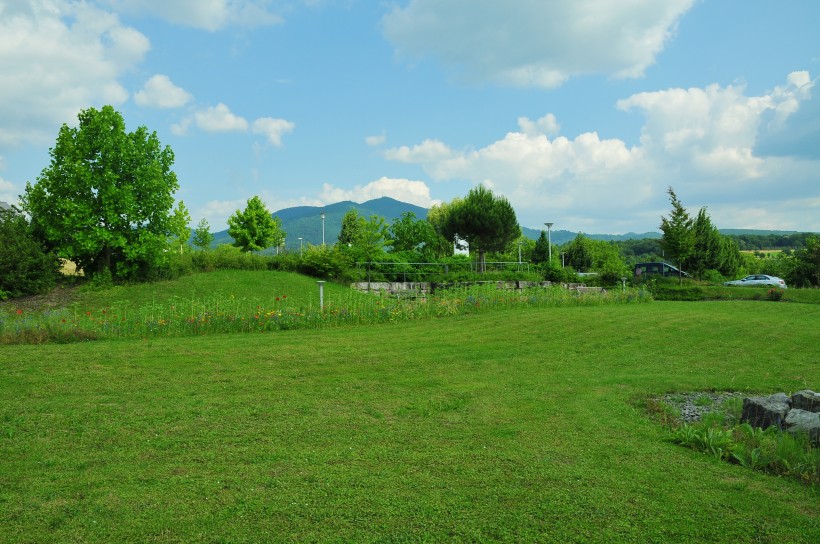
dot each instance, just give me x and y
(395, 271)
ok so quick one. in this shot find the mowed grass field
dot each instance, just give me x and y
(512, 426)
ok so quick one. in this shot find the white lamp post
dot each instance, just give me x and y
(323, 228)
(549, 240)
(300, 246)
(519, 255)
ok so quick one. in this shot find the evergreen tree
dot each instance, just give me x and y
(540, 254)
(678, 234)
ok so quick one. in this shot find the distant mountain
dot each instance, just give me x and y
(559, 237)
(306, 222)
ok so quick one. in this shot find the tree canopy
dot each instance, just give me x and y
(485, 221)
(254, 228)
(105, 200)
(409, 234)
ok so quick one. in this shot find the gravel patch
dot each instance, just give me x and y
(694, 405)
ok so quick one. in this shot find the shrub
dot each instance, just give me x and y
(325, 262)
(26, 267)
(665, 291)
(228, 257)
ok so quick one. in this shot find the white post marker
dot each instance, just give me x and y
(321, 294)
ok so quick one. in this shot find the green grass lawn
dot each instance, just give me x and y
(516, 425)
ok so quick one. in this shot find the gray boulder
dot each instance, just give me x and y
(806, 400)
(804, 421)
(764, 412)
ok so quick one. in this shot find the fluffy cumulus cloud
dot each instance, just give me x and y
(220, 118)
(205, 14)
(59, 57)
(700, 141)
(535, 43)
(413, 192)
(160, 92)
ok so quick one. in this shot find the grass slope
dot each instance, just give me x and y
(508, 426)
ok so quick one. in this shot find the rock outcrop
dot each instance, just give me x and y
(798, 413)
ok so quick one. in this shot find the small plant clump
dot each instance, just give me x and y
(722, 435)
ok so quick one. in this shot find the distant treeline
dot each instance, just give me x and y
(649, 249)
(771, 241)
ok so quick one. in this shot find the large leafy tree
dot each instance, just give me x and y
(254, 228)
(678, 238)
(408, 233)
(362, 239)
(105, 200)
(485, 221)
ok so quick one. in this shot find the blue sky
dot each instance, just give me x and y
(581, 112)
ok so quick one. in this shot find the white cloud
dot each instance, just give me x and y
(699, 141)
(59, 57)
(219, 119)
(8, 193)
(273, 129)
(405, 190)
(547, 125)
(535, 43)
(160, 92)
(376, 140)
(205, 14)
(428, 151)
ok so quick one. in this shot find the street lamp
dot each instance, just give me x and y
(323, 228)
(300, 246)
(549, 240)
(519, 254)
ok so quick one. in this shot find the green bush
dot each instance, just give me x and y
(26, 267)
(669, 289)
(228, 257)
(325, 262)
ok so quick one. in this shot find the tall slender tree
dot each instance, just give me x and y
(202, 235)
(678, 238)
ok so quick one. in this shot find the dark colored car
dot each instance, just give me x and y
(643, 270)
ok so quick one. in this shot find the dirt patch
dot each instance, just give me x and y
(59, 297)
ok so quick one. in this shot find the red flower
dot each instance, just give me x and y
(19, 312)
(284, 296)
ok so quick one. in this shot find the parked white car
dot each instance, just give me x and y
(758, 279)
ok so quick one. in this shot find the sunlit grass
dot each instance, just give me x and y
(247, 302)
(523, 424)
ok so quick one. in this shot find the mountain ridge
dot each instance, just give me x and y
(305, 222)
